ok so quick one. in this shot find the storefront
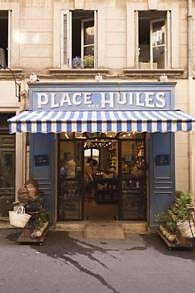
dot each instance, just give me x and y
(125, 129)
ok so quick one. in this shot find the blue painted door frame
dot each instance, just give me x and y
(43, 168)
(161, 189)
(161, 171)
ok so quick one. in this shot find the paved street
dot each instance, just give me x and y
(71, 264)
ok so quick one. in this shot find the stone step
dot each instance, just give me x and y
(134, 227)
(104, 230)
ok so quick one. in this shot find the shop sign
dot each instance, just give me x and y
(41, 160)
(162, 160)
(115, 100)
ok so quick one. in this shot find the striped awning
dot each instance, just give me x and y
(101, 121)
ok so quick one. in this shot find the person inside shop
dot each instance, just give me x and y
(68, 167)
(89, 179)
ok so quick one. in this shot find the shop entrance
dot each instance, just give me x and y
(102, 177)
(101, 180)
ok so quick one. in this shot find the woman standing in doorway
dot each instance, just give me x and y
(89, 179)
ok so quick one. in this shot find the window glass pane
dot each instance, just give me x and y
(3, 38)
(87, 153)
(88, 33)
(159, 56)
(89, 50)
(158, 33)
(152, 39)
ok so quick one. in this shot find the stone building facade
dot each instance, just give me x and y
(142, 41)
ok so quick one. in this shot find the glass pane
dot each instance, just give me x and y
(88, 33)
(159, 57)
(158, 33)
(70, 179)
(133, 187)
(89, 50)
(88, 59)
(87, 153)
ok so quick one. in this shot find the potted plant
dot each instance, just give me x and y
(176, 218)
(88, 61)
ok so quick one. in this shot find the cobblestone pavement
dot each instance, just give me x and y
(69, 263)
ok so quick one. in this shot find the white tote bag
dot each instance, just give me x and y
(18, 218)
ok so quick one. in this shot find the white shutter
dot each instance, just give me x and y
(66, 39)
(95, 39)
(9, 38)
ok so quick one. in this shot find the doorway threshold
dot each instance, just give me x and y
(128, 227)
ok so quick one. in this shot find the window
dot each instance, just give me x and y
(3, 38)
(153, 40)
(78, 42)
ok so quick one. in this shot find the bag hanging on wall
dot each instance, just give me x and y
(18, 218)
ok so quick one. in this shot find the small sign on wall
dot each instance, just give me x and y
(162, 160)
(41, 160)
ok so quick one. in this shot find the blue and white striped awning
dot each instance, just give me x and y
(101, 121)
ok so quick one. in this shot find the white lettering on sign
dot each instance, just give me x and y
(149, 98)
(139, 101)
(42, 99)
(54, 104)
(101, 100)
(65, 100)
(160, 100)
(76, 99)
(87, 99)
(107, 100)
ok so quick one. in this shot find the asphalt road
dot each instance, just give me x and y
(72, 264)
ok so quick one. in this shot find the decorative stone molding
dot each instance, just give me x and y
(153, 4)
(79, 4)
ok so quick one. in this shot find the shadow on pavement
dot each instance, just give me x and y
(60, 246)
(154, 241)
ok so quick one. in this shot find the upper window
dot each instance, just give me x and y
(78, 42)
(152, 43)
(3, 38)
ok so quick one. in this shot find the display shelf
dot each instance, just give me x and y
(182, 243)
(25, 237)
(106, 190)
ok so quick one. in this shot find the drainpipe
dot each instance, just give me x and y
(190, 89)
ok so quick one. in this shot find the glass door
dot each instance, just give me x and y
(70, 180)
(133, 179)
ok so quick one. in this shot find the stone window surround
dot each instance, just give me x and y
(131, 31)
(14, 55)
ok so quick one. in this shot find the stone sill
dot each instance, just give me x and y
(10, 73)
(174, 73)
(71, 73)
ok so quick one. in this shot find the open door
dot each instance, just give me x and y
(70, 181)
(133, 179)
